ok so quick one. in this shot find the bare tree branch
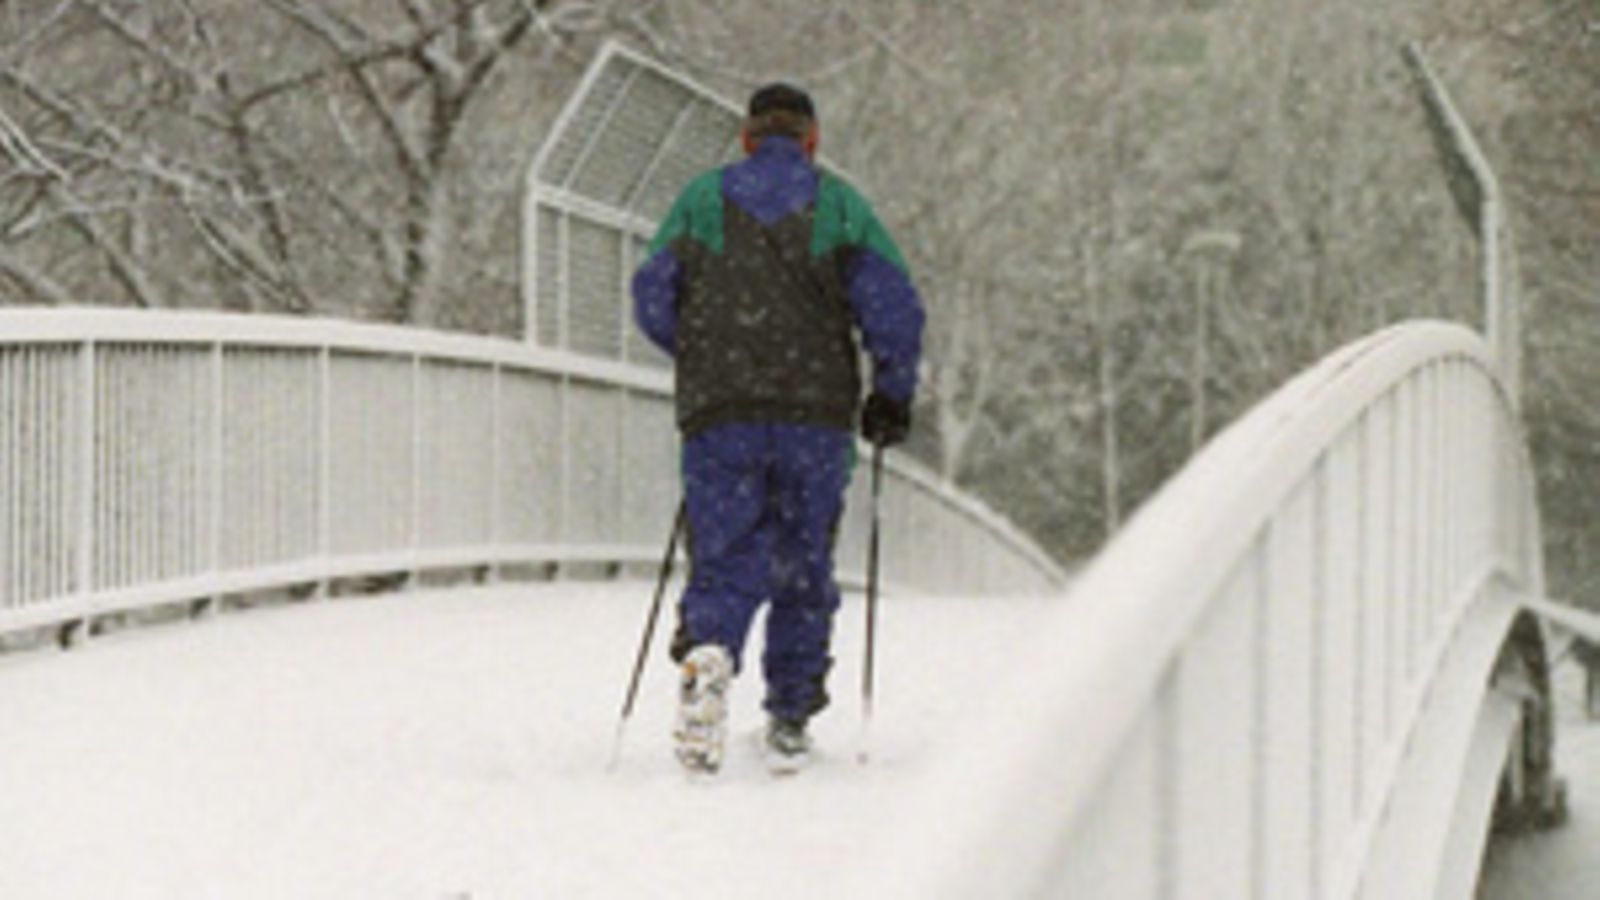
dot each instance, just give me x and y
(25, 42)
(40, 285)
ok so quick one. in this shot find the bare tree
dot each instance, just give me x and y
(331, 173)
(1048, 170)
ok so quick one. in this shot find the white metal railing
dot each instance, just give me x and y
(148, 458)
(1244, 695)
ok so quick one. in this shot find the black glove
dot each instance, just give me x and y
(885, 421)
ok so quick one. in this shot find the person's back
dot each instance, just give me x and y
(757, 282)
(778, 263)
(764, 329)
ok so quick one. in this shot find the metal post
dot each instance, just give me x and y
(8, 481)
(496, 461)
(324, 461)
(1476, 190)
(86, 469)
(564, 529)
(416, 469)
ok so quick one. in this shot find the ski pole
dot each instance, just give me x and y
(872, 602)
(678, 523)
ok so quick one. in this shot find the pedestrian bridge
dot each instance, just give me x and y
(1312, 666)
(1315, 665)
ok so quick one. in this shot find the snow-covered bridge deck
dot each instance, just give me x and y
(451, 744)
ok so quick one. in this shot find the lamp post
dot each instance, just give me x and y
(1476, 191)
(1205, 245)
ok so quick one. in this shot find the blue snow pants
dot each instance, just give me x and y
(764, 501)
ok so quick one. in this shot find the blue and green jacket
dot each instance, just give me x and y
(757, 283)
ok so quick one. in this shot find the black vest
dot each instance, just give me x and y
(765, 331)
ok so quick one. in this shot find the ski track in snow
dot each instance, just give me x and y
(453, 744)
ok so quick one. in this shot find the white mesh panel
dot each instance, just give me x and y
(595, 290)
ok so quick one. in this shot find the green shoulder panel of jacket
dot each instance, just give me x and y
(845, 218)
(696, 215)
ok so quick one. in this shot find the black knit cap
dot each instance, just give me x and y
(781, 96)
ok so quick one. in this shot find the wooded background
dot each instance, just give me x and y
(1130, 220)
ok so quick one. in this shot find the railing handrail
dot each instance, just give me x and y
(71, 325)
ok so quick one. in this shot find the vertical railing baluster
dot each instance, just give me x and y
(563, 280)
(416, 465)
(198, 444)
(262, 392)
(102, 547)
(619, 496)
(1440, 471)
(158, 476)
(218, 455)
(161, 420)
(1257, 561)
(1361, 715)
(564, 530)
(43, 493)
(1393, 631)
(624, 295)
(109, 555)
(1425, 472)
(250, 476)
(1405, 539)
(131, 447)
(9, 501)
(280, 377)
(49, 484)
(183, 513)
(59, 481)
(143, 454)
(143, 450)
(1416, 543)
(1455, 441)
(191, 443)
(31, 453)
(1317, 535)
(496, 477)
(10, 482)
(158, 438)
(324, 464)
(64, 468)
(117, 388)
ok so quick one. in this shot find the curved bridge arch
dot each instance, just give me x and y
(1294, 674)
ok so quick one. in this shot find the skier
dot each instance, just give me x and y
(756, 283)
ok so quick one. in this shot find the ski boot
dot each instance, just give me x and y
(787, 747)
(703, 709)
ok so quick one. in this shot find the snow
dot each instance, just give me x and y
(453, 744)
